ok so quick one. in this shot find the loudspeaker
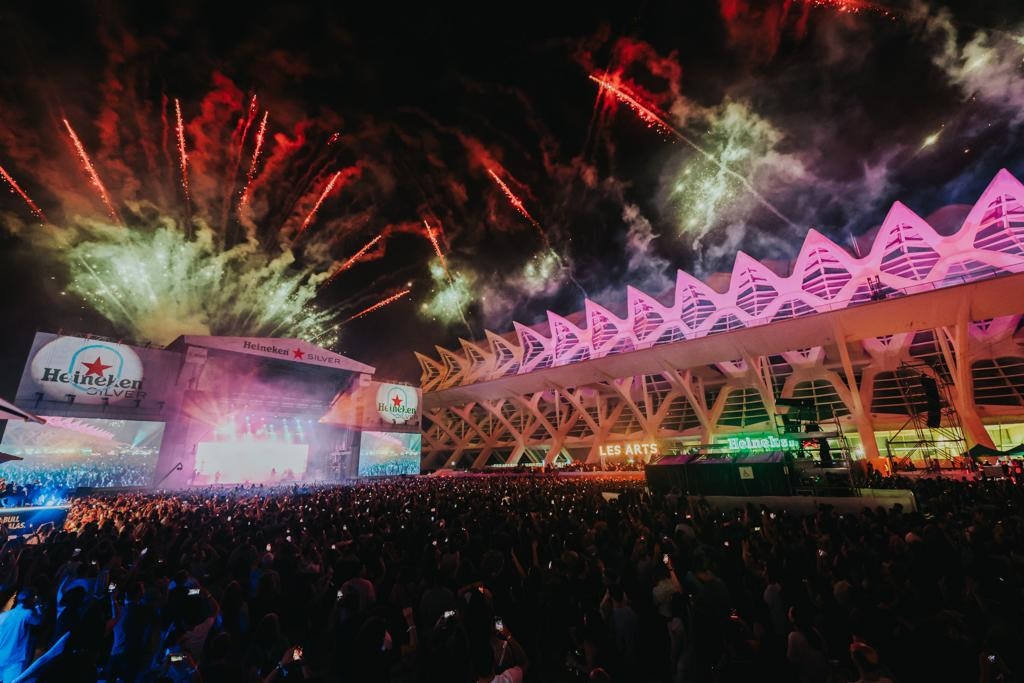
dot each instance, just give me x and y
(932, 402)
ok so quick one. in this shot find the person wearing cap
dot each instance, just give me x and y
(16, 635)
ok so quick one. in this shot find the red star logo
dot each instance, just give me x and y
(96, 367)
(397, 400)
(298, 353)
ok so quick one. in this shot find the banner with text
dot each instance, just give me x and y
(95, 378)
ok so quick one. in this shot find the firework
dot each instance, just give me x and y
(517, 204)
(249, 117)
(94, 177)
(345, 266)
(931, 139)
(159, 284)
(183, 156)
(319, 201)
(244, 125)
(260, 134)
(656, 120)
(437, 247)
(380, 304)
(856, 7)
(646, 113)
(452, 294)
(24, 195)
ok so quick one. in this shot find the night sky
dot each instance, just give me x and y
(828, 116)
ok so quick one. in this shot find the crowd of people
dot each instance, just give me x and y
(124, 468)
(542, 578)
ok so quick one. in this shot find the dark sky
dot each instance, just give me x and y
(829, 116)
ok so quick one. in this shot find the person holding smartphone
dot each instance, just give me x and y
(131, 625)
(16, 624)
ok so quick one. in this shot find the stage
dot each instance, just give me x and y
(203, 411)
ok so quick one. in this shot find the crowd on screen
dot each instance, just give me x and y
(114, 470)
(506, 579)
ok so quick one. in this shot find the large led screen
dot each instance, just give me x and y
(69, 452)
(388, 454)
(250, 462)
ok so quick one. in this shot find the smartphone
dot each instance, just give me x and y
(822, 553)
(193, 591)
(772, 515)
(498, 625)
(726, 544)
(297, 654)
(268, 547)
(111, 587)
(288, 538)
(991, 659)
(144, 551)
(665, 558)
(449, 614)
(341, 594)
(78, 551)
(177, 659)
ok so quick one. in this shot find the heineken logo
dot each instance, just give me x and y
(397, 403)
(766, 442)
(292, 352)
(89, 370)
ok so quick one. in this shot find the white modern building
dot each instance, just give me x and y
(924, 329)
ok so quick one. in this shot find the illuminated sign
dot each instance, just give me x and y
(397, 403)
(629, 448)
(88, 369)
(752, 443)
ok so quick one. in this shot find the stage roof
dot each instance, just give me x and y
(984, 299)
(294, 350)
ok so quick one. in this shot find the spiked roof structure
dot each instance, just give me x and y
(908, 255)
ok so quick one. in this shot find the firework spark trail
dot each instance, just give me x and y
(182, 154)
(380, 304)
(249, 117)
(260, 134)
(517, 204)
(437, 247)
(94, 178)
(854, 7)
(24, 195)
(319, 201)
(654, 120)
(319, 162)
(345, 266)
